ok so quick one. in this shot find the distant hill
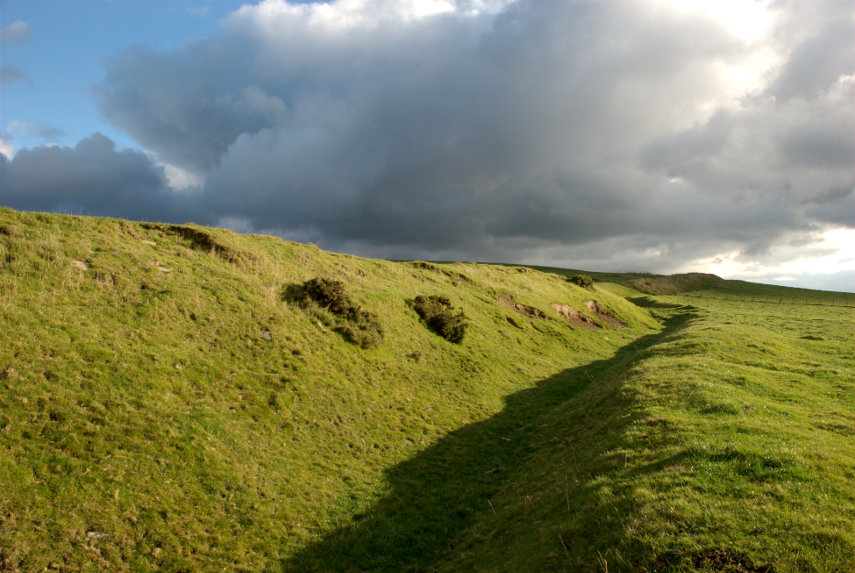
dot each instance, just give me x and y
(182, 398)
(680, 283)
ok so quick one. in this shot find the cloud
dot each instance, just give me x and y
(41, 130)
(7, 147)
(823, 260)
(199, 11)
(16, 33)
(91, 178)
(639, 135)
(10, 73)
(817, 45)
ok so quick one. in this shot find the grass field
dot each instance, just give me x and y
(165, 406)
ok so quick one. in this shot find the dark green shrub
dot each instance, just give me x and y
(583, 281)
(351, 321)
(362, 328)
(440, 316)
(328, 293)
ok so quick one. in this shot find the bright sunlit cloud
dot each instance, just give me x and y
(831, 252)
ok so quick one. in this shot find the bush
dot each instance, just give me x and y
(327, 293)
(362, 328)
(355, 324)
(439, 315)
(583, 281)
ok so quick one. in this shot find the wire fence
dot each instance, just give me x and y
(840, 301)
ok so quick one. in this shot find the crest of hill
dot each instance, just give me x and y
(649, 283)
(678, 284)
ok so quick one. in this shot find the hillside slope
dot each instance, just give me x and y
(164, 404)
(168, 403)
(723, 443)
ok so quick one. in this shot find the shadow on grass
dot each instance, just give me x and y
(444, 490)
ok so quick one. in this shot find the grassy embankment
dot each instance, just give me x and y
(163, 406)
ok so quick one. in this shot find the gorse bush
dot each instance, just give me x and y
(362, 328)
(440, 316)
(354, 323)
(583, 281)
(328, 293)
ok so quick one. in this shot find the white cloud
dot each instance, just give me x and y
(40, 130)
(6, 147)
(828, 252)
(16, 33)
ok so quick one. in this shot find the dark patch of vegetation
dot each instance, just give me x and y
(425, 266)
(363, 328)
(199, 240)
(355, 324)
(584, 281)
(728, 560)
(328, 293)
(454, 276)
(440, 316)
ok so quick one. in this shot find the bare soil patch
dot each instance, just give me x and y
(728, 560)
(523, 309)
(604, 314)
(574, 317)
(715, 559)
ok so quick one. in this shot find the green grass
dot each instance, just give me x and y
(732, 429)
(163, 406)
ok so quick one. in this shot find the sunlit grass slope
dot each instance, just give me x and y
(163, 405)
(166, 405)
(724, 443)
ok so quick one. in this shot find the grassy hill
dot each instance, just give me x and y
(166, 403)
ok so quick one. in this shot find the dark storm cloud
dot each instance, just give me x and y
(503, 130)
(91, 178)
(189, 104)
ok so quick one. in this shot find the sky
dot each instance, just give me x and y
(621, 135)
